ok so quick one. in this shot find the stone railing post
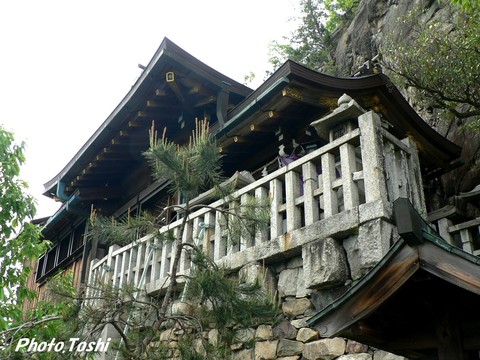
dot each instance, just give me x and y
(372, 157)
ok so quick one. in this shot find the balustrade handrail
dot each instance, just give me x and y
(340, 185)
(349, 137)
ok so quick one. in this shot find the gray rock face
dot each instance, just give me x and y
(362, 37)
(325, 264)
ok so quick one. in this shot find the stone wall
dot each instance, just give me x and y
(325, 264)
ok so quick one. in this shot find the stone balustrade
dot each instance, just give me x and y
(464, 235)
(329, 193)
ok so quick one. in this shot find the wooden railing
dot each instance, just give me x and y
(365, 165)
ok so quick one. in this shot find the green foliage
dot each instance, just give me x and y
(310, 44)
(243, 219)
(19, 239)
(339, 11)
(467, 5)
(123, 231)
(140, 318)
(227, 300)
(192, 168)
(440, 62)
(52, 318)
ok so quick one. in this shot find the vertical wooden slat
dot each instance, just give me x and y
(276, 221)
(348, 164)
(329, 196)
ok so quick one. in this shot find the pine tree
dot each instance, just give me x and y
(212, 295)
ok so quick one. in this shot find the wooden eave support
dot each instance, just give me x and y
(170, 78)
(153, 104)
(223, 104)
(161, 92)
(99, 193)
(205, 101)
(299, 95)
(265, 122)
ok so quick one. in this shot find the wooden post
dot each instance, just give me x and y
(449, 341)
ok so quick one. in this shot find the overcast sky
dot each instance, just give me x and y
(65, 65)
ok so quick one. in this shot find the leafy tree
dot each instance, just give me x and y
(440, 61)
(53, 317)
(19, 238)
(467, 5)
(310, 44)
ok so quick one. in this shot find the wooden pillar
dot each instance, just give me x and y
(450, 346)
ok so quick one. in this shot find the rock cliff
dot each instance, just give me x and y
(362, 38)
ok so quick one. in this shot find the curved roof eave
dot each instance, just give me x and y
(167, 51)
(380, 84)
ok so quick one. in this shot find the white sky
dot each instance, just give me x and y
(65, 65)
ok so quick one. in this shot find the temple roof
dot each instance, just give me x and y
(295, 93)
(175, 88)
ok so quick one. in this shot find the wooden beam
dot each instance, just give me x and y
(97, 193)
(254, 128)
(153, 104)
(161, 92)
(170, 78)
(297, 94)
(205, 101)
